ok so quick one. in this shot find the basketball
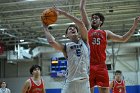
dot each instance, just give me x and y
(49, 16)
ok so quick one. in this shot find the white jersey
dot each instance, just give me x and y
(5, 90)
(78, 60)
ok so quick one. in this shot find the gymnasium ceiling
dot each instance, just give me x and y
(20, 19)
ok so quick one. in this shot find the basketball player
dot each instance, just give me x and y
(76, 52)
(118, 85)
(97, 42)
(3, 88)
(34, 84)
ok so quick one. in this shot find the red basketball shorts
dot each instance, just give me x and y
(98, 76)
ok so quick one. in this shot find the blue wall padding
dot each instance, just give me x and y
(53, 90)
(133, 89)
(129, 89)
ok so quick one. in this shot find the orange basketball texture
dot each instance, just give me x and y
(49, 16)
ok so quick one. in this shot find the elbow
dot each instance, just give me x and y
(51, 42)
(124, 40)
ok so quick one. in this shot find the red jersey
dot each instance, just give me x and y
(119, 87)
(97, 43)
(36, 88)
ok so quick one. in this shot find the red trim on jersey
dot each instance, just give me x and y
(119, 87)
(36, 88)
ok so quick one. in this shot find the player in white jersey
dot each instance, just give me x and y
(77, 54)
(78, 60)
(78, 63)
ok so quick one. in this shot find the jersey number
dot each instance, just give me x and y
(96, 41)
(78, 52)
(120, 90)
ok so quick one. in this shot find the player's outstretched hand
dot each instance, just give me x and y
(136, 21)
(59, 11)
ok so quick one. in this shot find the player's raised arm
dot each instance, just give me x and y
(84, 13)
(49, 16)
(125, 37)
(79, 23)
(52, 41)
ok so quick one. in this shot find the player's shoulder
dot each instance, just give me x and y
(107, 31)
(112, 81)
(123, 81)
(41, 78)
(69, 44)
(28, 81)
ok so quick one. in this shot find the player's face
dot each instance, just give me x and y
(118, 76)
(95, 21)
(36, 72)
(3, 85)
(72, 31)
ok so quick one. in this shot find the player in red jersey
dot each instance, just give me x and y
(97, 42)
(34, 84)
(118, 85)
